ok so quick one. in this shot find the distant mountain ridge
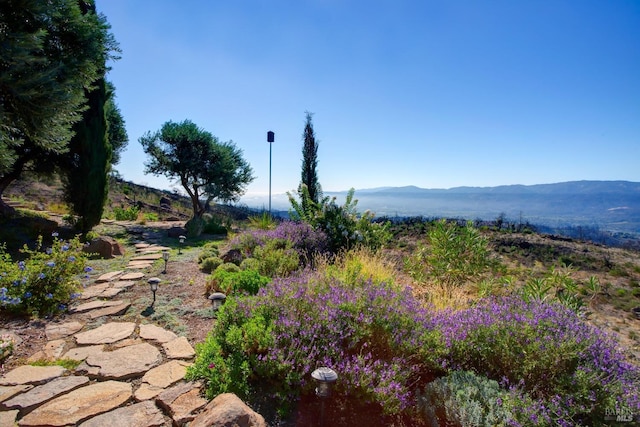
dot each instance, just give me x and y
(569, 187)
(608, 205)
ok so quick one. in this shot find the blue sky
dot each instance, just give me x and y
(436, 94)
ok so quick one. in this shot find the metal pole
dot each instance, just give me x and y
(270, 139)
(270, 144)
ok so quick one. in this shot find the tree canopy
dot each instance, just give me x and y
(205, 167)
(51, 54)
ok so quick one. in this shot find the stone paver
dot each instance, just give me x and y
(132, 276)
(51, 351)
(44, 393)
(56, 331)
(27, 374)
(111, 292)
(106, 334)
(81, 353)
(94, 291)
(124, 284)
(114, 310)
(181, 402)
(179, 349)
(8, 418)
(93, 305)
(156, 333)
(107, 277)
(127, 362)
(157, 379)
(79, 405)
(147, 257)
(7, 392)
(143, 414)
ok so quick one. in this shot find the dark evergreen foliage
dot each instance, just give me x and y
(310, 161)
(51, 53)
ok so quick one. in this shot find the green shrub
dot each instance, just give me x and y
(228, 266)
(128, 214)
(342, 224)
(210, 264)
(251, 264)
(465, 399)
(45, 281)
(277, 258)
(244, 281)
(454, 257)
(213, 225)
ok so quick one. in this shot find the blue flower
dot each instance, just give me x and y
(88, 269)
(64, 248)
(24, 280)
(41, 276)
(54, 234)
(21, 265)
(71, 258)
(27, 295)
(49, 296)
(61, 307)
(75, 295)
(48, 251)
(51, 264)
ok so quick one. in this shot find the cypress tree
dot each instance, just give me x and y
(88, 162)
(86, 165)
(310, 162)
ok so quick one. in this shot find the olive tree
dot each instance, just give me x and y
(206, 168)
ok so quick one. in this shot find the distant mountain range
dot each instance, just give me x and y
(607, 205)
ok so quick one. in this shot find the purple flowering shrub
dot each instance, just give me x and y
(375, 335)
(572, 370)
(45, 281)
(300, 236)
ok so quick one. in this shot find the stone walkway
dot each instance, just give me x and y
(131, 373)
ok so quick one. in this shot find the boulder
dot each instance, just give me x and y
(228, 410)
(106, 247)
(165, 202)
(232, 255)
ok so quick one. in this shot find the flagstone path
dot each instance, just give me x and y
(131, 373)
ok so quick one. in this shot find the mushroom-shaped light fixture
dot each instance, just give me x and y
(153, 284)
(217, 299)
(165, 257)
(181, 239)
(325, 377)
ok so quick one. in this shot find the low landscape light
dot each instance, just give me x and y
(165, 257)
(217, 299)
(181, 239)
(325, 377)
(153, 284)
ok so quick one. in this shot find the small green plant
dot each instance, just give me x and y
(150, 216)
(69, 364)
(128, 214)
(264, 221)
(210, 264)
(213, 225)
